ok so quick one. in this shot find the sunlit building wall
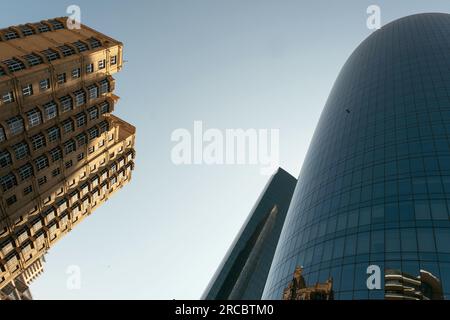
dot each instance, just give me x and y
(62, 151)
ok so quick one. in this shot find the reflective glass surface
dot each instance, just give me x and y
(374, 189)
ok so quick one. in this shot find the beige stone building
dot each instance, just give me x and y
(19, 288)
(62, 152)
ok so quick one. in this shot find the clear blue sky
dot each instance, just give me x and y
(232, 64)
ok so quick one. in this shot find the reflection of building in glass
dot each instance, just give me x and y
(403, 286)
(62, 151)
(298, 290)
(244, 270)
(374, 188)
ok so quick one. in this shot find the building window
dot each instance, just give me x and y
(55, 154)
(44, 85)
(68, 164)
(41, 162)
(104, 126)
(8, 181)
(94, 43)
(56, 24)
(8, 97)
(94, 181)
(11, 35)
(80, 156)
(5, 159)
(27, 190)
(90, 68)
(69, 146)
(76, 73)
(49, 213)
(80, 97)
(93, 92)
(62, 204)
(15, 125)
(66, 50)
(74, 196)
(67, 126)
(38, 141)
(26, 171)
(91, 149)
(61, 78)
(34, 118)
(56, 172)
(50, 54)
(27, 90)
(42, 27)
(26, 31)
(104, 107)
(66, 103)
(93, 133)
(93, 113)
(84, 188)
(81, 119)
(81, 46)
(113, 60)
(101, 64)
(42, 180)
(11, 200)
(104, 86)
(14, 64)
(53, 134)
(33, 60)
(81, 139)
(21, 150)
(101, 143)
(50, 110)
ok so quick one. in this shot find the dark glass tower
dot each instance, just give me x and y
(375, 185)
(244, 270)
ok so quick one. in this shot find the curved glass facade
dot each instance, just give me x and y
(375, 185)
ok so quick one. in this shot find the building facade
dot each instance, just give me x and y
(19, 288)
(62, 152)
(33, 271)
(244, 270)
(374, 189)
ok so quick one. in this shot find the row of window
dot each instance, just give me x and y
(31, 29)
(57, 171)
(66, 103)
(44, 85)
(87, 194)
(22, 150)
(15, 64)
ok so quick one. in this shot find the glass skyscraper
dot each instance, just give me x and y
(244, 270)
(374, 189)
